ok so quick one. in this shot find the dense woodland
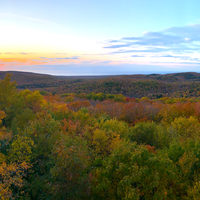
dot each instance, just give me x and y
(153, 86)
(101, 144)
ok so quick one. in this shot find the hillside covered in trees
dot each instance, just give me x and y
(97, 145)
(153, 86)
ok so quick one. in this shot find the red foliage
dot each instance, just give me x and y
(150, 149)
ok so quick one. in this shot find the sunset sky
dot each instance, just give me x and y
(107, 37)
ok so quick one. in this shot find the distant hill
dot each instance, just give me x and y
(152, 85)
(22, 78)
(175, 77)
(30, 78)
(27, 77)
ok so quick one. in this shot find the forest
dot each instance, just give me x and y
(87, 144)
(153, 85)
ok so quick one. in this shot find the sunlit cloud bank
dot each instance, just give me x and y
(177, 44)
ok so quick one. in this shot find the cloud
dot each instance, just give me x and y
(9, 53)
(68, 58)
(65, 58)
(119, 46)
(179, 57)
(135, 56)
(168, 56)
(171, 36)
(147, 50)
(176, 41)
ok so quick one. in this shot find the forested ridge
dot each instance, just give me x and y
(94, 143)
(153, 86)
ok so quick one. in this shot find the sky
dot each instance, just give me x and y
(90, 37)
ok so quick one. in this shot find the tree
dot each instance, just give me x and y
(135, 172)
(7, 93)
(70, 177)
(186, 128)
(150, 134)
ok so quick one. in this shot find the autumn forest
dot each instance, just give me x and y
(109, 138)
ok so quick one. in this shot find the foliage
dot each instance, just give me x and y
(150, 134)
(70, 177)
(7, 93)
(128, 172)
(98, 140)
(11, 176)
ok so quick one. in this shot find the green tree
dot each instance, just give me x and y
(135, 172)
(7, 93)
(70, 174)
(150, 134)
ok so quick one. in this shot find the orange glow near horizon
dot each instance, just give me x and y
(24, 58)
(32, 59)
